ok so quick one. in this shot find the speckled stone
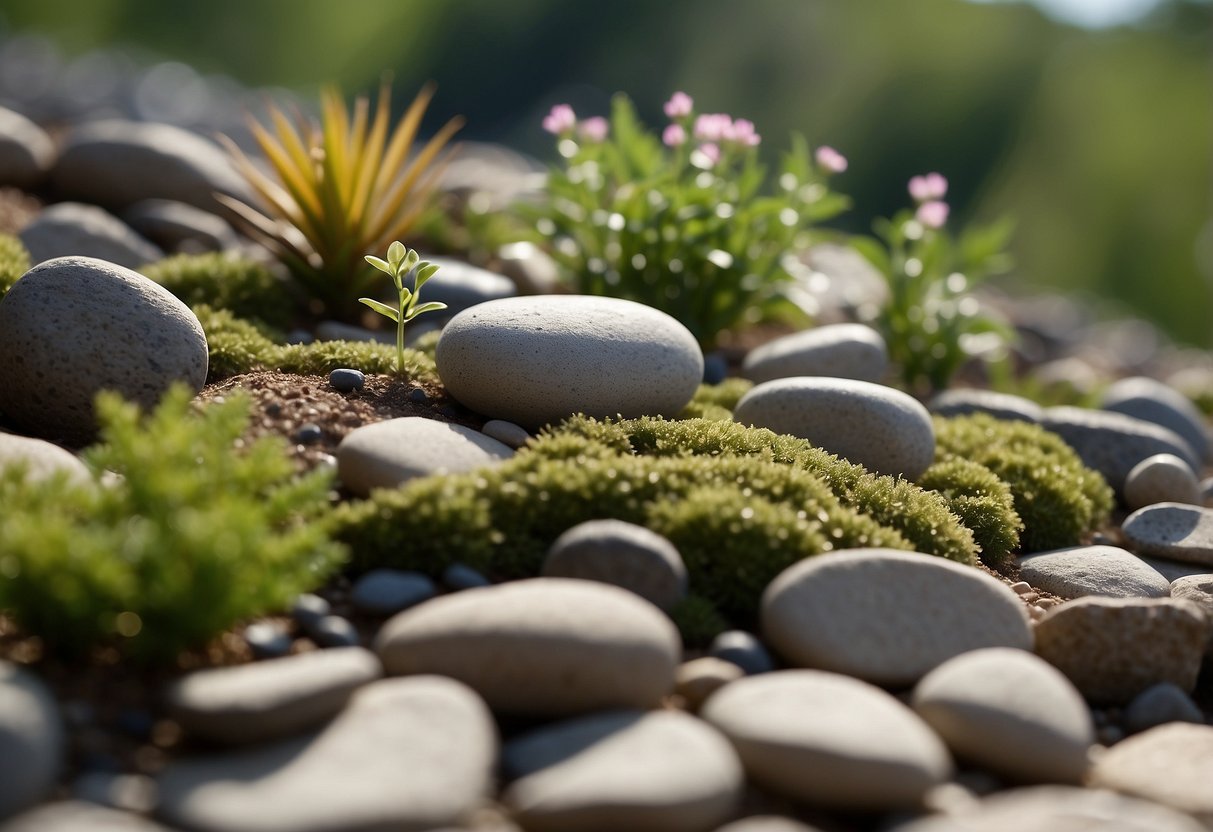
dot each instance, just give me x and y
(461, 285)
(1158, 705)
(507, 433)
(26, 150)
(31, 734)
(663, 771)
(535, 360)
(79, 816)
(404, 754)
(41, 460)
(271, 699)
(962, 401)
(1176, 531)
(838, 350)
(624, 554)
(881, 428)
(68, 229)
(1162, 478)
(887, 616)
(542, 647)
(1114, 648)
(1112, 443)
(1171, 764)
(1199, 590)
(1009, 712)
(388, 453)
(829, 740)
(1093, 570)
(74, 326)
(1146, 398)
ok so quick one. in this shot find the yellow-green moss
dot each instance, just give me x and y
(14, 262)
(241, 286)
(716, 401)
(982, 501)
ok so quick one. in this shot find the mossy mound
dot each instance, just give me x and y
(241, 286)
(1058, 498)
(716, 401)
(982, 501)
(14, 262)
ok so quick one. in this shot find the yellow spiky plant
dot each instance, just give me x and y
(338, 190)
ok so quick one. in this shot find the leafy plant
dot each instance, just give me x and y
(398, 265)
(679, 222)
(191, 536)
(339, 188)
(930, 323)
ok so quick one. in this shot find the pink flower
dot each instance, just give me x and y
(932, 213)
(560, 120)
(594, 129)
(674, 136)
(711, 152)
(680, 105)
(830, 160)
(928, 187)
(713, 127)
(742, 132)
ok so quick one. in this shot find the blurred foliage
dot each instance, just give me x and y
(1097, 142)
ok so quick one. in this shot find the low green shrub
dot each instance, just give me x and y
(698, 621)
(14, 262)
(1058, 498)
(982, 501)
(243, 287)
(189, 538)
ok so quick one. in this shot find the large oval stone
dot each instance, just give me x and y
(535, 360)
(73, 326)
(881, 428)
(837, 350)
(542, 647)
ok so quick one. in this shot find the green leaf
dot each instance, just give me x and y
(396, 253)
(432, 306)
(381, 265)
(382, 308)
(425, 271)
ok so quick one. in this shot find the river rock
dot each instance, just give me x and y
(179, 227)
(881, 428)
(1162, 478)
(117, 163)
(74, 326)
(388, 591)
(623, 554)
(838, 350)
(542, 647)
(271, 699)
(507, 433)
(829, 740)
(1171, 764)
(388, 453)
(1112, 443)
(32, 742)
(461, 285)
(1009, 712)
(42, 460)
(700, 678)
(73, 228)
(26, 151)
(1158, 705)
(743, 649)
(963, 401)
(1199, 590)
(536, 360)
(1093, 570)
(1114, 648)
(887, 616)
(79, 816)
(408, 754)
(663, 771)
(1176, 531)
(1151, 400)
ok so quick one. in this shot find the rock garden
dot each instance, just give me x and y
(354, 480)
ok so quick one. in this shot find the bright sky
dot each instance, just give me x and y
(1092, 14)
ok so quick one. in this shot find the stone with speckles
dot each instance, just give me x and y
(1176, 531)
(963, 401)
(74, 326)
(536, 360)
(881, 428)
(1093, 570)
(837, 350)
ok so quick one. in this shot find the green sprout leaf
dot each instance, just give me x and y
(381, 265)
(381, 308)
(401, 261)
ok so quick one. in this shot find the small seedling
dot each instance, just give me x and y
(399, 263)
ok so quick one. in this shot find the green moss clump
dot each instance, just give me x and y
(698, 621)
(982, 501)
(1058, 498)
(190, 538)
(716, 401)
(14, 262)
(243, 287)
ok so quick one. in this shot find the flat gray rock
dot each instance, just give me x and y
(543, 647)
(1112, 649)
(461, 285)
(829, 740)
(41, 460)
(838, 350)
(539, 359)
(1173, 570)
(624, 554)
(32, 740)
(1171, 764)
(879, 427)
(68, 229)
(271, 699)
(1162, 478)
(1112, 443)
(1146, 398)
(405, 754)
(389, 453)
(887, 616)
(1093, 570)
(1199, 590)
(1009, 712)
(26, 150)
(180, 227)
(663, 771)
(79, 816)
(963, 401)
(1176, 531)
(75, 326)
(388, 591)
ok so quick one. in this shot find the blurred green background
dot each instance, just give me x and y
(1098, 140)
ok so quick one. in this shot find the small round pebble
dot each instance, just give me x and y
(346, 380)
(698, 679)
(715, 368)
(460, 576)
(309, 434)
(1162, 478)
(1160, 704)
(309, 609)
(623, 554)
(388, 591)
(743, 649)
(418, 396)
(334, 631)
(507, 433)
(267, 640)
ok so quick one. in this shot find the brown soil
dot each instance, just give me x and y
(17, 210)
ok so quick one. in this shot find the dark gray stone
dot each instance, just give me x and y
(68, 229)
(744, 650)
(388, 591)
